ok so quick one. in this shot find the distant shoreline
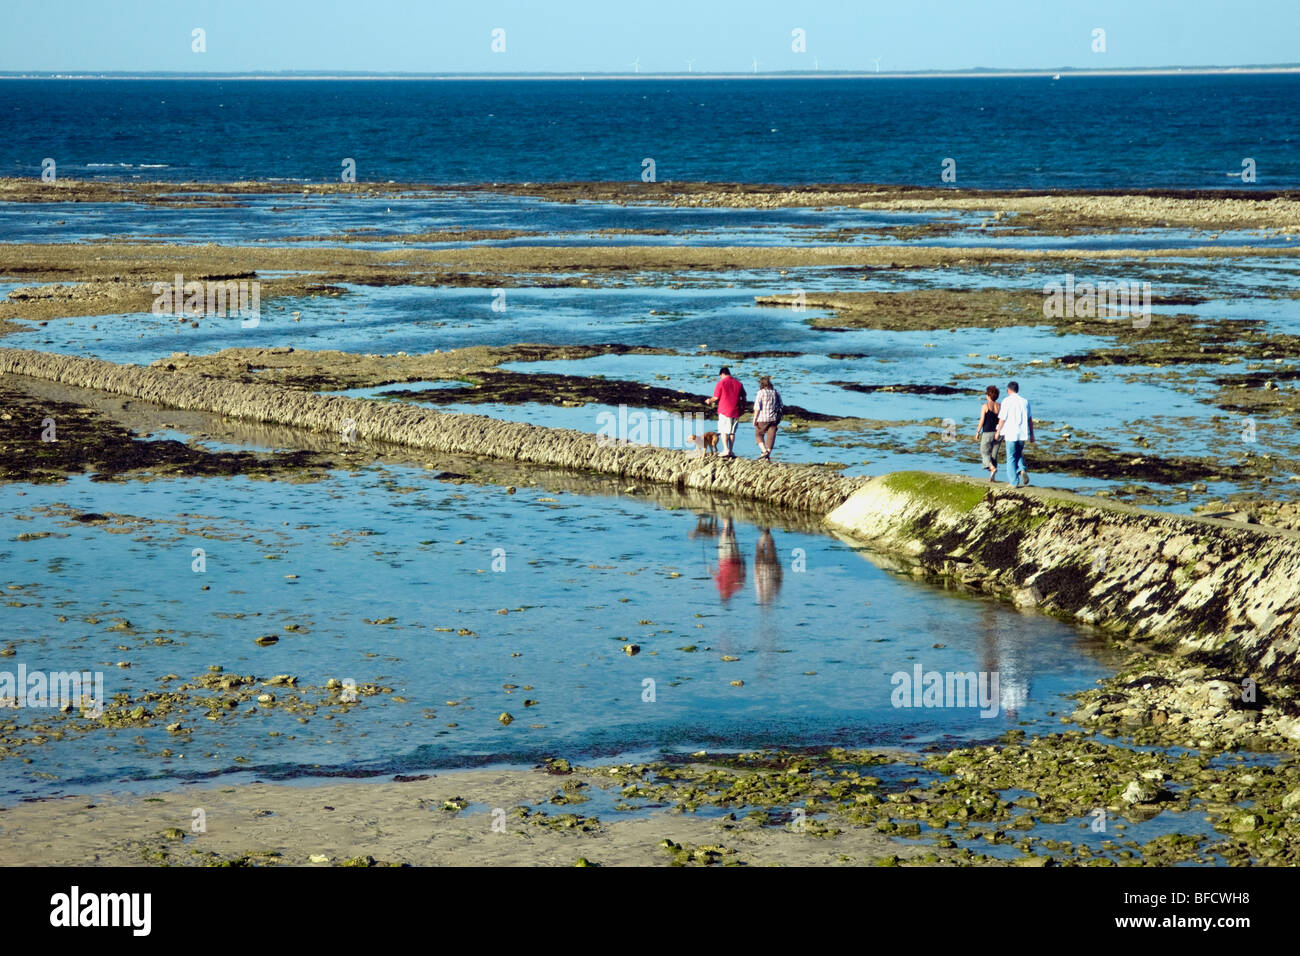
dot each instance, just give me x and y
(1063, 73)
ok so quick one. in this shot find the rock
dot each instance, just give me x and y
(1208, 699)
(1288, 727)
(1174, 547)
(318, 858)
(266, 640)
(1134, 792)
(1292, 800)
(631, 650)
(1027, 597)
(1245, 823)
(506, 719)
(1089, 711)
(1143, 791)
(1238, 720)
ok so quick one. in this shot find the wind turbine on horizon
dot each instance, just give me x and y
(877, 62)
(690, 66)
(636, 64)
(755, 64)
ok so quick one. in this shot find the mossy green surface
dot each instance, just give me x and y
(951, 494)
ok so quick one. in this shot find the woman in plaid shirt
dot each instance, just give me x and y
(767, 416)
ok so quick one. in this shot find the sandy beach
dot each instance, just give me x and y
(410, 823)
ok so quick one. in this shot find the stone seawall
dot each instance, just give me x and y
(1224, 593)
(805, 488)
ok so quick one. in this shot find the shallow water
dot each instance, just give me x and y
(316, 220)
(254, 218)
(818, 631)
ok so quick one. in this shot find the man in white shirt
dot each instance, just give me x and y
(1016, 426)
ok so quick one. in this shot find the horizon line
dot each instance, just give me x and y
(973, 72)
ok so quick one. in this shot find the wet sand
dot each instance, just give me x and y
(771, 808)
(389, 823)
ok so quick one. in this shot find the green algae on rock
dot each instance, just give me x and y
(1188, 585)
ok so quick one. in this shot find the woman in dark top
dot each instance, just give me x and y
(986, 429)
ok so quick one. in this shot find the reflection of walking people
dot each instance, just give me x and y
(1016, 426)
(986, 431)
(767, 568)
(729, 395)
(767, 417)
(999, 654)
(730, 575)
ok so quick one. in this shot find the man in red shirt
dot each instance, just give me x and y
(729, 395)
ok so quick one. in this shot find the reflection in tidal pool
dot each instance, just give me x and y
(469, 603)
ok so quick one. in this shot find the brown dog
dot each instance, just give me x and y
(704, 444)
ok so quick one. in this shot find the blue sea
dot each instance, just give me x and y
(1078, 132)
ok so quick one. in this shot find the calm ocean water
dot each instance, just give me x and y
(1094, 132)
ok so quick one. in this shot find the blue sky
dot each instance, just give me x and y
(661, 35)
